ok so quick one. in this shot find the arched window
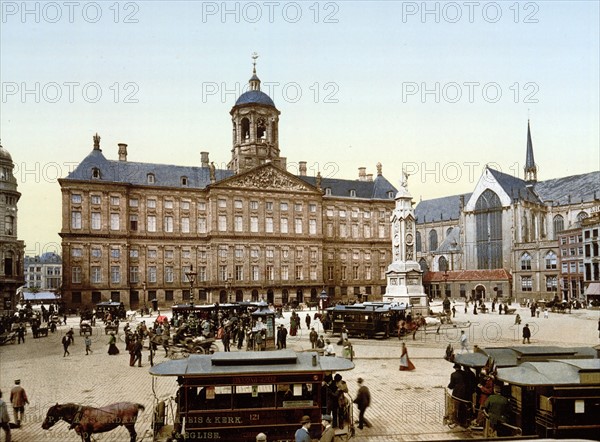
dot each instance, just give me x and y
(488, 221)
(352, 192)
(581, 216)
(525, 225)
(559, 225)
(423, 265)
(433, 240)
(443, 264)
(96, 173)
(448, 231)
(526, 261)
(418, 242)
(151, 179)
(184, 181)
(550, 260)
(9, 225)
(261, 129)
(245, 129)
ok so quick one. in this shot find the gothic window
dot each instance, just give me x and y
(581, 216)
(550, 260)
(525, 226)
(433, 240)
(559, 225)
(423, 265)
(418, 242)
(443, 264)
(526, 261)
(245, 129)
(488, 220)
(448, 231)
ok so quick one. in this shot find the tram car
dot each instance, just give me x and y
(368, 319)
(553, 392)
(232, 397)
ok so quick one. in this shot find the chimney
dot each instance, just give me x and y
(302, 168)
(462, 201)
(204, 159)
(122, 152)
(362, 174)
(369, 177)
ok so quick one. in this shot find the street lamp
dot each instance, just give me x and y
(144, 294)
(323, 299)
(191, 276)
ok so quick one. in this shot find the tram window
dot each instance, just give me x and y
(254, 396)
(296, 395)
(209, 398)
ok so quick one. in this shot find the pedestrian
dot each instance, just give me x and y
(313, 337)
(303, 433)
(497, 407)
(18, 398)
(4, 418)
(226, 339)
(362, 401)
(460, 394)
(454, 311)
(545, 313)
(344, 334)
(21, 333)
(66, 342)
(598, 328)
(137, 349)
(307, 320)
(284, 334)
(71, 335)
(65, 319)
(329, 432)
(112, 345)
(526, 334)
(321, 341)
(499, 308)
(88, 345)
(329, 351)
(466, 305)
(405, 362)
(464, 342)
(518, 319)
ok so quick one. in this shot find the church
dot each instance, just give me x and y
(142, 233)
(511, 238)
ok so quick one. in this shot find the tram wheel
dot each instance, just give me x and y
(213, 348)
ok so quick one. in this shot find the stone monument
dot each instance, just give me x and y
(404, 275)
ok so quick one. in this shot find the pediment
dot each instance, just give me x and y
(268, 177)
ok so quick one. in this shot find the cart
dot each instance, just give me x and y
(197, 345)
(111, 327)
(85, 328)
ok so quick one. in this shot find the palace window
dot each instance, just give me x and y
(526, 261)
(96, 221)
(76, 275)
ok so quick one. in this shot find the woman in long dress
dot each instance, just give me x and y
(112, 347)
(405, 363)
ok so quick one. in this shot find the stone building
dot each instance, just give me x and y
(591, 256)
(43, 272)
(505, 223)
(131, 230)
(12, 250)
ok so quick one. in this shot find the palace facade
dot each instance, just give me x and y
(136, 232)
(12, 249)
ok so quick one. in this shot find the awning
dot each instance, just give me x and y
(593, 289)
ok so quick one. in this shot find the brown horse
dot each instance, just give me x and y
(406, 327)
(89, 420)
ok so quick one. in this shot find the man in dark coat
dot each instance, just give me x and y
(362, 400)
(458, 385)
(526, 334)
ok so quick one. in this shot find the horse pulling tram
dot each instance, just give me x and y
(553, 392)
(234, 396)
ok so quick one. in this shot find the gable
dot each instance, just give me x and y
(487, 181)
(268, 177)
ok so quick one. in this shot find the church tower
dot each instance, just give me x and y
(255, 129)
(530, 167)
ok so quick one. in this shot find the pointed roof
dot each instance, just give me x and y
(529, 161)
(254, 95)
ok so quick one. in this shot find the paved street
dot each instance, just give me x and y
(406, 405)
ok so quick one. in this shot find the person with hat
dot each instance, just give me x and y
(4, 418)
(329, 350)
(18, 398)
(302, 433)
(497, 407)
(362, 400)
(329, 432)
(460, 394)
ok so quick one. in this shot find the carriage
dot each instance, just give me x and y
(111, 327)
(116, 310)
(367, 320)
(190, 346)
(234, 396)
(85, 328)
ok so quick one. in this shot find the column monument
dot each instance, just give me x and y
(404, 275)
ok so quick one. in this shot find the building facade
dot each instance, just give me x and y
(133, 232)
(43, 272)
(506, 223)
(12, 249)
(591, 256)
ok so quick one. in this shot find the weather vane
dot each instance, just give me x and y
(254, 57)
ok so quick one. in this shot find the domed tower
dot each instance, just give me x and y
(255, 129)
(11, 249)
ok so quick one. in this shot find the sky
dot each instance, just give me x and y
(438, 88)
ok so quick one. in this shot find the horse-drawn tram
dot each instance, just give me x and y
(369, 319)
(553, 392)
(235, 396)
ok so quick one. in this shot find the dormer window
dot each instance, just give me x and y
(95, 173)
(390, 194)
(151, 179)
(328, 191)
(352, 192)
(184, 181)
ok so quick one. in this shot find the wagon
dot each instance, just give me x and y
(193, 346)
(85, 329)
(111, 328)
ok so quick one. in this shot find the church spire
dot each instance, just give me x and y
(530, 167)
(254, 81)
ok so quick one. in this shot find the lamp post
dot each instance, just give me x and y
(323, 299)
(144, 294)
(191, 276)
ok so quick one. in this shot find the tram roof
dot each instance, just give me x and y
(235, 363)
(553, 372)
(370, 306)
(513, 356)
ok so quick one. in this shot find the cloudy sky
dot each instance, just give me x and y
(439, 88)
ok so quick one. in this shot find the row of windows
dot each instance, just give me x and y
(551, 283)
(550, 261)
